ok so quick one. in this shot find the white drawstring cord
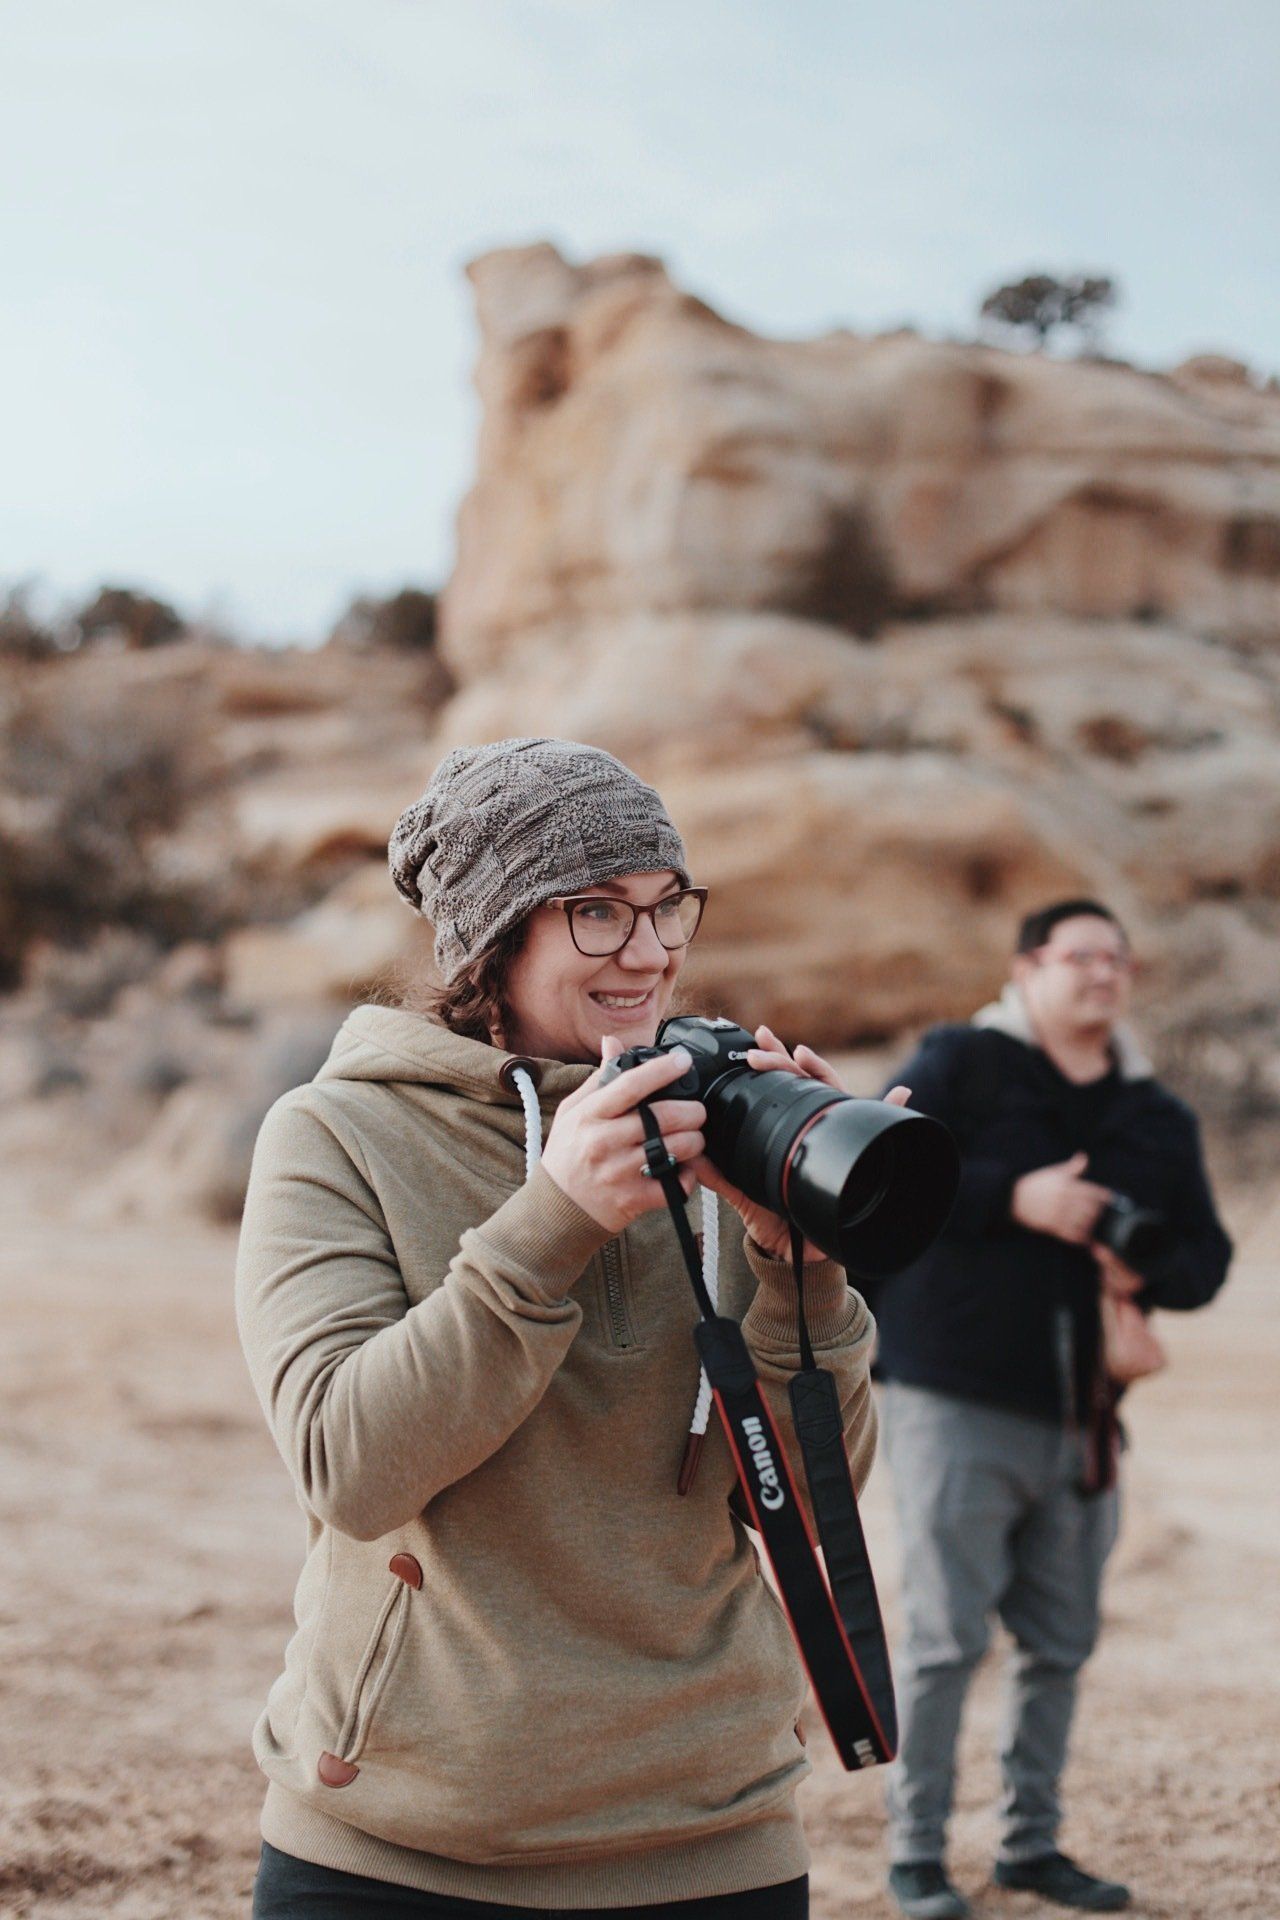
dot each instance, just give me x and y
(711, 1280)
(532, 1119)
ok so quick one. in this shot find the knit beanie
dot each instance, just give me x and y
(503, 828)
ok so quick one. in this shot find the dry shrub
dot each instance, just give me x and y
(405, 623)
(124, 617)
(114, 620)
(91, 785)
(23, 636)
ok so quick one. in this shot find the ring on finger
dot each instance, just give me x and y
(658, 1161)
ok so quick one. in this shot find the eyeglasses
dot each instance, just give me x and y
(1080, 959)
(599, 925)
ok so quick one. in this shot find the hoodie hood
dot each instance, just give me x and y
(394, 1044)
(1009, 1015)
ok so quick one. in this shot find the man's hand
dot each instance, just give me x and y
(1118, 1280)
(1060, 1201)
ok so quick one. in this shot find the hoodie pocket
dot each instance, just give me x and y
(374, 1670)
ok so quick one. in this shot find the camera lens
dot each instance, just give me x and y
(868, 1183)
(1137, 1235)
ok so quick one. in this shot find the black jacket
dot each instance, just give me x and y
(995, 1311)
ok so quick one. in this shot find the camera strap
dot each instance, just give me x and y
(835, 1618)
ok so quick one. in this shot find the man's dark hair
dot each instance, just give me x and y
(1037, 926)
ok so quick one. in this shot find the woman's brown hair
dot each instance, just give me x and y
(474, 1003)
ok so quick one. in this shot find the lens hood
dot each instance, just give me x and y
(871, 1184)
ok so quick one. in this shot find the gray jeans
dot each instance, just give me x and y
(991, 1523)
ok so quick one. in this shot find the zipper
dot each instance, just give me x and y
(615, 1298)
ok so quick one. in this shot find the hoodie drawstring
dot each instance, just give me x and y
(532, 1119)
(710, 1261)
(711, 1281)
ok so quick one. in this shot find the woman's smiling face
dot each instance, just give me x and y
(563, 1003)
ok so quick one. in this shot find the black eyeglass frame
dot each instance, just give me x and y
(569, 901)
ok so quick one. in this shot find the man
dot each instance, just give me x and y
(997, 1405)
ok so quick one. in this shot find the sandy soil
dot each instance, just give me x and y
(150, 1544)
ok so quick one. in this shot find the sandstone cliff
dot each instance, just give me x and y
(914, 635)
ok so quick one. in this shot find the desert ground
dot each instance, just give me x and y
(151, 1540)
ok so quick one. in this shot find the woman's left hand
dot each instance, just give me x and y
(771, 1231)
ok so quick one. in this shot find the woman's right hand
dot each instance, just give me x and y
(595, 1149)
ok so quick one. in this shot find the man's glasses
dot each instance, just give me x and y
(599, 925)
(1081, 959)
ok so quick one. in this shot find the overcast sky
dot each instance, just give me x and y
(235, 341)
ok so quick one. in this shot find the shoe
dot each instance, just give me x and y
(923, 1891)
(1061, 1880)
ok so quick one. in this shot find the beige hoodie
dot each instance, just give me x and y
(525, 1668)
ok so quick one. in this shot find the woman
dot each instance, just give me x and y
(528, 1675)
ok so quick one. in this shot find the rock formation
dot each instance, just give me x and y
(641, 455)
(913, 634)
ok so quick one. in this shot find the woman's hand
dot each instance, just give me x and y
(595, 1149)
(771, 1231)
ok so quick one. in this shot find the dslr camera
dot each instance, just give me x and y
(1137, 1235)
(869, 1183)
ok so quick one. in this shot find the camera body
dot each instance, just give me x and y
(871, 1184)
(1137, 1235)
(717, 1047)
